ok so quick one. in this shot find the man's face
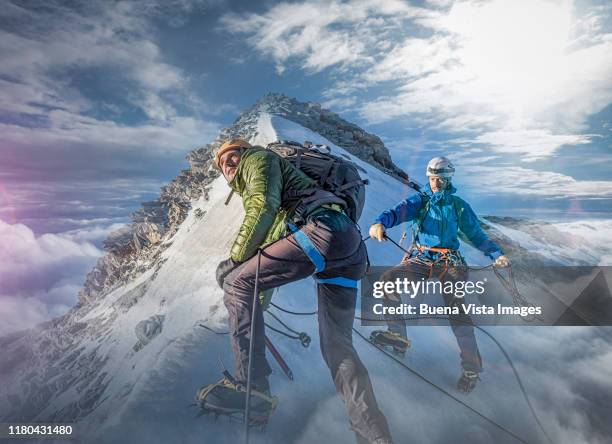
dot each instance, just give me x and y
(437, 183)
(229, 164)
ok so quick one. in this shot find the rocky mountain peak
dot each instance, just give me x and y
(330, 125)
(136, 248)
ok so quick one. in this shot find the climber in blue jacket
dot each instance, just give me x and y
(437, 215)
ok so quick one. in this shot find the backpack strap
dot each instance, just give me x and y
(310, 201)
(458, 204)
(352, 184)
(295, 194)
(325, 177)
(419, 221)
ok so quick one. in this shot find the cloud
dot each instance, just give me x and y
(523, 181)
(80, 200)
(41, 275)
(94, 233)
(531, 144)
(578, 388)
(49, 41)
(91, 109)
(71, 130)
(517, 78)
(529, 88)
(321, 34)
(342, 103)
(50, 57)
(19, 313)
(480, 61)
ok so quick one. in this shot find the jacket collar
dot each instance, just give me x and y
(237, 184)
(440, 196)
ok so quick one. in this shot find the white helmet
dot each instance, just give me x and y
(440, 167)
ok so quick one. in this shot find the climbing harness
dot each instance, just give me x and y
(452, 258)
(446, 259)
(317, 259)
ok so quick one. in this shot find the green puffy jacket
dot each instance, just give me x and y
(262, 179)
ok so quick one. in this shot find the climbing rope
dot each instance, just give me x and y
(508, 283)
(296, 313)
(422, 377)
(496, 342)
(436, 386)
(302, 336)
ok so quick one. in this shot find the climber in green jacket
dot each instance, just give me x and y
(296, 241)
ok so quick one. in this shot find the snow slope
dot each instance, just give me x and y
(145, 383)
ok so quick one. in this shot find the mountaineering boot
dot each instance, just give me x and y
(228, 397)
(467, 381)
(386, 338)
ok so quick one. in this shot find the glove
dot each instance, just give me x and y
(224, 268)
(377, 231)
(502, 261)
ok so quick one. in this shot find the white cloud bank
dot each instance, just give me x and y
(41, 276)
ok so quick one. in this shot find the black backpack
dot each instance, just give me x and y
(333, 174)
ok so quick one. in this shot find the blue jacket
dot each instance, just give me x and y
(442, 221)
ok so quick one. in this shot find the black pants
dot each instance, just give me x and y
(414, 270)
(338, 240)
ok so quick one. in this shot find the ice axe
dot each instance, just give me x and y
(281, 362)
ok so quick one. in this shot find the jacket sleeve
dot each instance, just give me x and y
(404, 211)
(262, 200)
(470, 226)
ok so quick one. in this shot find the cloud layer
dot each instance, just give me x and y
(40, 276)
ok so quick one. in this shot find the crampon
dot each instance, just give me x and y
(467, 381)
(228, 398)
(387, 339)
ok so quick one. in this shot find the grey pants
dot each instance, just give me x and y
(415, 270)
(338, 240)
